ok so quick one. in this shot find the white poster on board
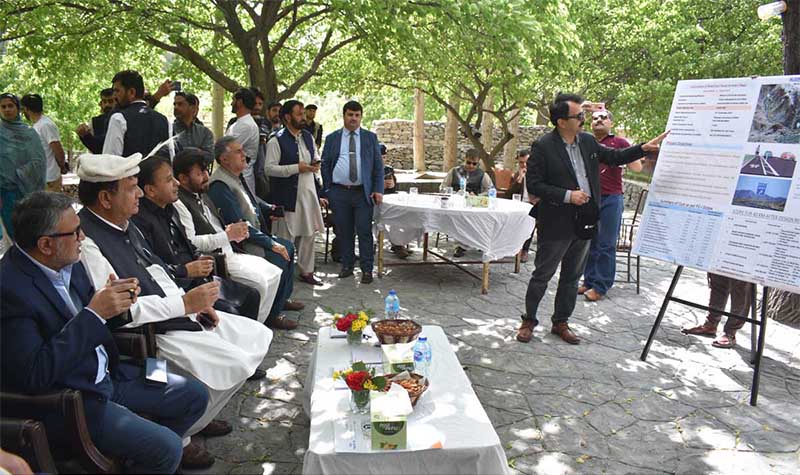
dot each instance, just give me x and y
(725, 196)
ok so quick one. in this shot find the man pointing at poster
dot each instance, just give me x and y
(563, 170)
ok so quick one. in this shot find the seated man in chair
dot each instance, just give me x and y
(55, 335)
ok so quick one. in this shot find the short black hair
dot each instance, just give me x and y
(352, 106)
(273, 104)
(190, 98)
(311, 107)
(109, 91)
(287, 108)
(559, 109)
(37, 215)
(130, 79)
(33, 102)
(148, 169)
(523, 152)
(188, 158)
(257, 93)
(89, 191)
(246, 96)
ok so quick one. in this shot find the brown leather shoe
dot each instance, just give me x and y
(700, 330)
(309, 279)
(293, 305)
(195, 457)
(400, 251)
(366, 278)
(593, 295)
(281, 322)
(525, 332)
(216, 428)
(582, 289)
(563, 331)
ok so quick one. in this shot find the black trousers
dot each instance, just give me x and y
(572, 255)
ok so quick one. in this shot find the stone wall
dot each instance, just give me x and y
(632, 190)
(397, 135)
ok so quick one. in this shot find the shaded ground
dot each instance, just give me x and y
(592, 408)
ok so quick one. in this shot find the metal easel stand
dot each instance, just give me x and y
(756, 346)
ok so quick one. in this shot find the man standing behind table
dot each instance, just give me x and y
(135, 127)
(33, 107)
(245, 131)
(314, 128)
(292, 168)
(601, 265)
(93, 136)
(563, 171)
(190, 131)
(352, 176)
(518, 187)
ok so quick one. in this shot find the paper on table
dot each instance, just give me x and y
(352, 434)
(366, 353)
(394, 402)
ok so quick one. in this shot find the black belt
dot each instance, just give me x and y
(349, 187)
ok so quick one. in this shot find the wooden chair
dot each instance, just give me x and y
(502, 181)
(22, 416)
(627, 234)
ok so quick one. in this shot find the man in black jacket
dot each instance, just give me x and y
(563, 171)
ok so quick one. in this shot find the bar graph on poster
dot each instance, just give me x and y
(725, 196)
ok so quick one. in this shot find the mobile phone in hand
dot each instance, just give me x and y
(176, 86)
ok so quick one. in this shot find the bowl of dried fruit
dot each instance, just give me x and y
(415, 385)
(394, 331)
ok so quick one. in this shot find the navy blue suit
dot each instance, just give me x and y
(45, 348)
(352, 206)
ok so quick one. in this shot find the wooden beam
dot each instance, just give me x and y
(419, 131)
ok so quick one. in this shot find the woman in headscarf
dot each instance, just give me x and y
(22, 159)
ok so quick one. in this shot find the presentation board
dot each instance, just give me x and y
(725, 195)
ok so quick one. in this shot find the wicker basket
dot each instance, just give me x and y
(413, 395)
(394, 331)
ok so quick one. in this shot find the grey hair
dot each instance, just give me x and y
(222, 146)
(38, 215)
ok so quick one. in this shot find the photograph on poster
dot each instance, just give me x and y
(769, 160)
(761, 192)
(777, 116)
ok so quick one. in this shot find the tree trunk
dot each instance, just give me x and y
(510, 149)
(217, 110)
(487, 128)
(785, 306)
(419, 131)
(450, 138)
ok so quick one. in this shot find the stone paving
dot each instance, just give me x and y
(592, 408)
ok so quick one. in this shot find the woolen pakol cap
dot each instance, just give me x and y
(101, 168)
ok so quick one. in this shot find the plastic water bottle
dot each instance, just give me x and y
(422, 357)
(392, 305)
(462, 182)
(492, 197)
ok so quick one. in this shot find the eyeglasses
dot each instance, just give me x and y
(578, 116)
(600, 117)
(76, 233)
(473, 164)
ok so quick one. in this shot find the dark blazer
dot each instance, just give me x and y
(550, 175)
(371, 162)
(44, 348)
(175, 251)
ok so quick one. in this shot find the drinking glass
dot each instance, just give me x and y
(517, 197)
(413, 190)
(448, 190)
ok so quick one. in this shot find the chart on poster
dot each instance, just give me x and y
(725, 196)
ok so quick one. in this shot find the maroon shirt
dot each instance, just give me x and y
(611, 177)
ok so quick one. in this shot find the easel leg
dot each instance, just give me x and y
(661, 313)
(761, 335)
(753, 325)
(485, 280)
(425, 247)
(380, 254)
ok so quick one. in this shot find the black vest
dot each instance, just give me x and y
(201, 224)
(146, 128)
(474, 180)
(283, 190)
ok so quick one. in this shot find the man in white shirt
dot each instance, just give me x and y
(32, 107)
(245, 130)
(134, 127)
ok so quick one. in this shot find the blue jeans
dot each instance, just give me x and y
(601, 267)
(352, 214)
(286, 284)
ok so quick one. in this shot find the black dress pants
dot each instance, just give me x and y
(572, 255)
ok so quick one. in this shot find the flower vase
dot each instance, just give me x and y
(353, 338)
(359, 401)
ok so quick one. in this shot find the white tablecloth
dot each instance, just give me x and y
(449, 409)
(498, 232)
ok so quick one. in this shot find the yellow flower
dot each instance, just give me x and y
(358, 325)
(337, 374)
(362, 315)
(368, 384)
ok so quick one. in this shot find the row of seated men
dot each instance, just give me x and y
(133, 256)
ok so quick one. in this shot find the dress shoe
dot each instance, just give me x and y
(195, 457)
(700, 330)
(563, 331)
(366, 278)
(525, 332)
(583, 289)
(593, 295)
(400, 251)
(259, 374)
(294, 305)
(217, 428)
(344, 273)
(281, 322)
(460, 251)
(310, 279)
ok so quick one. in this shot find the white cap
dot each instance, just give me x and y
(101, 168)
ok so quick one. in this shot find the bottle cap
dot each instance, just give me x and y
(423, 338)
(392, 292)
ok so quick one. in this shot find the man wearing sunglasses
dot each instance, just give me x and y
(478, 182)
(564, 172)
(601, 263)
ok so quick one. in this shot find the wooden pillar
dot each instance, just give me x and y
(217, 110)
(419, 131)
(487, 125)
(450, 158)
(510, 149)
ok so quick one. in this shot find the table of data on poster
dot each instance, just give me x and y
(725, 196)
